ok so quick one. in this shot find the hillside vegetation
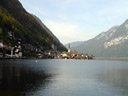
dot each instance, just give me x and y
(14, 18)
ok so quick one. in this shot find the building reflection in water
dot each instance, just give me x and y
(17, 79)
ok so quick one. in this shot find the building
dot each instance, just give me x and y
(1, 49)
(69, 50)
(54, 48)
(1, 45)
(14, 51)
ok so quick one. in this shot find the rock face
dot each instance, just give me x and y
(14, 18)
(112, 43)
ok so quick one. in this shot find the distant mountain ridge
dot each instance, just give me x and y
(73, 44)
(14, 18)
(112, 43)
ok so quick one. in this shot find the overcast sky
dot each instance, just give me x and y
(78, 20)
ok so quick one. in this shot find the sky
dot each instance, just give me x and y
(78, 20)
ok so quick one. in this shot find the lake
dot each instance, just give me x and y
(53, 77)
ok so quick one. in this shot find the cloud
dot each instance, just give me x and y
(75, 20)
(66, 32)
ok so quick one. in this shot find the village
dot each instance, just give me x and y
(30, 51)
(19, 50)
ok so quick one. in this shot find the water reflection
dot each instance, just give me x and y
(69, 77)
(115, 75)
(17, 79)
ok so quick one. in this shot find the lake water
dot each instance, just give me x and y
(63, 78)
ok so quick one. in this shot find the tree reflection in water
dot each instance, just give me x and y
(17, 79)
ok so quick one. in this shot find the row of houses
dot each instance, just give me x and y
(26, 51)
(10, 52)
(30, 51)
(76, 55)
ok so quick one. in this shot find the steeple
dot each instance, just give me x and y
(69, 50)
(69, 45)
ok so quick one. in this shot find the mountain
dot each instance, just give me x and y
(44, 27)
(14, 18)
(73, 44)
(112, 43)
(47, 30)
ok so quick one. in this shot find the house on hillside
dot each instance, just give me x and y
(1, 49)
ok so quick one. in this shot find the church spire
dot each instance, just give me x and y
(69, 45)
(69, 50)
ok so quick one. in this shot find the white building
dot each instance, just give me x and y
(1, 45)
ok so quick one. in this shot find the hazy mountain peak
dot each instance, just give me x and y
(116, 41)
(113, 42)
(74, 44)
(100, 35)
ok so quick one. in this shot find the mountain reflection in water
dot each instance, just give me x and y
(51, 77)
(18, 78)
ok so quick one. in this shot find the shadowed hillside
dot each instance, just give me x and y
(14, 18)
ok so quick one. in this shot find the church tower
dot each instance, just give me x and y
(69, 50)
